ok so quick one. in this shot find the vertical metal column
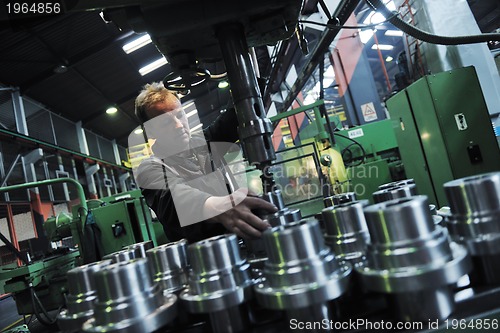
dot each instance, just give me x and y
(255, 129)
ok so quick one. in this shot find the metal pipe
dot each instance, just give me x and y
(409, 258)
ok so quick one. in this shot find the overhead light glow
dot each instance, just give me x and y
(389, 59)
(365, 35)
(394, 33)
(196, 127)
(111, 110)
(223, 84)
(138, 131)
(185, 106)
(137, 44)
(383, 47)
(191, 113)
(152, 66)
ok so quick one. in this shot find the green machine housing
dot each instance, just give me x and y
(444, 130)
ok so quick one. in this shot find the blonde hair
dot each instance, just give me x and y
(150, 94)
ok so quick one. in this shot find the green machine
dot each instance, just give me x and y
(444, 130)
(369, 152)
(97, 228)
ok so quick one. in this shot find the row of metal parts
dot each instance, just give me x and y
(396, 247)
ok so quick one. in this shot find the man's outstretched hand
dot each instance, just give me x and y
(240, 219)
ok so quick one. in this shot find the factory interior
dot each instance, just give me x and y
(372, 126)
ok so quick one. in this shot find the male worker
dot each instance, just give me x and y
(179, 179)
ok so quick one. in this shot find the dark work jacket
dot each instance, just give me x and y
(223, 129)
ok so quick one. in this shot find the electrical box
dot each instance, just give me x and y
(444, 130)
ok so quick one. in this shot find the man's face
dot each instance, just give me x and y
(168, 124)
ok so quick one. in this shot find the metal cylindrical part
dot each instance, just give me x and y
(409, 255)
(301, 271)
(255, 129)
(169, 265)
(396, 184)
(385, 220)
(339, 199)
(396, 192)
(140, 248)
(474, 220)
(124, 255)
(219, 279)
(81, 296)
(129, 300)
(346, 232)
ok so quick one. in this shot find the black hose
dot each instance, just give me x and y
(427, 37)
(47, 321)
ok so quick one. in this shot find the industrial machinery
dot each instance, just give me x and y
(444, 131)
(97, 228)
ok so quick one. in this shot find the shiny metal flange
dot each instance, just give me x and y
(169, 265)
(410, 258)
(219, 278)
(339, 199)
(219, 283)
(346, 232)
(301, 271)
(474, 220)
(395, 192)
(124, 255)
(129, 301)
(81, 297)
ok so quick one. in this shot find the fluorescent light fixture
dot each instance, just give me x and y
(223, 84)
(138, 131)
(365, 35)
(389, 59)
(329, 77)
(374, 18)
(152, 66)
(191, 113)
(394, 33)
(382, 47)
(111, 110)
(196, 127)
(137, 44)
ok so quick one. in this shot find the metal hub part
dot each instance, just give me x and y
(395, 192)
(301, 271)
(169, 265)
(140, 248)
(346, 232)
(474, 220)
(81, 297)
(255, 247)
(410, 258)
(396, 184)
(339, 199)
(219, 283)
(129, 301)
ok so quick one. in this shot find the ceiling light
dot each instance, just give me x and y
(137, 44)
(138, 131)
(389, 59)
(152, 66)
(196, 127)
(383, 47)
(223, 84)
(185, 106)
(394, 33)
(365, 35)
(111, 110)
(191, 113)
